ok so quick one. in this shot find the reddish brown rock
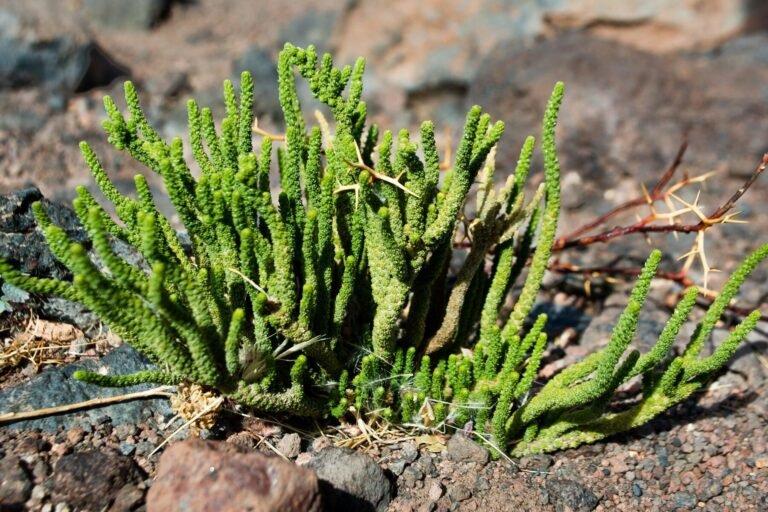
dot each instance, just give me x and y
(197, 475)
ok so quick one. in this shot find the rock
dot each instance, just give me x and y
(316, 27)
(570, 495)
(708, 488)
(168, 87)
(747, 368)
(561, 317)
(22, 244)
(134, 15)
(462, 449)
(290, 445)
(409, 452)
(127, 449)
(55, 386)
(21, 121)
(425, 66)
(397, 467)
(538, 462)
(684, 500)
(573, 185)
(411, 475)
(92, 480)
(261, 64)
(436, 490)
(48, 47)
(617, 463)
(15, 484)
(129, 497)
(425, 464)
(625, 111)
(654, 317)
(58, 309)
(351, 480)
(197, 475)
(750, 48)
(459, 492)
(657, 25)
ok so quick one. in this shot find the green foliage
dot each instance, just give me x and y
(333, 296)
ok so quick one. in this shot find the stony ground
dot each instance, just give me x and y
(637, 83)
(710, 455)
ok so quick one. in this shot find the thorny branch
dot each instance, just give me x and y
(655, 195)
(720, 215)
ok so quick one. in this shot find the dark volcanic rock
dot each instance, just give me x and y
(34, 54)
(92, 480)
(23, 244)
(570, 495)
(15, 484)
(200, 475)
(358, 483)
(55, 386)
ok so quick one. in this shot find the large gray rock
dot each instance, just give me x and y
(55, 387)
(23, 244)
(462, 449)
(197, 475)
(136, 14)
(353, 480)
(34, 51)
(316, 27)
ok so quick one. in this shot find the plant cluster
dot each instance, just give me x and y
(337, 295)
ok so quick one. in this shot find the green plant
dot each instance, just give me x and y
(349, 271)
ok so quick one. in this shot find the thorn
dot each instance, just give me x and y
(355, 187)
(646, 195)
(446, 163)
(730, 219)
(694, 208)
(274, 136)
(376, 174)
(324, 128)
(672, 218)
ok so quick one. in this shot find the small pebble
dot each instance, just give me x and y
(409, 452)
(127, 449)
(290, 445)
(435, 491)
(459, 492)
